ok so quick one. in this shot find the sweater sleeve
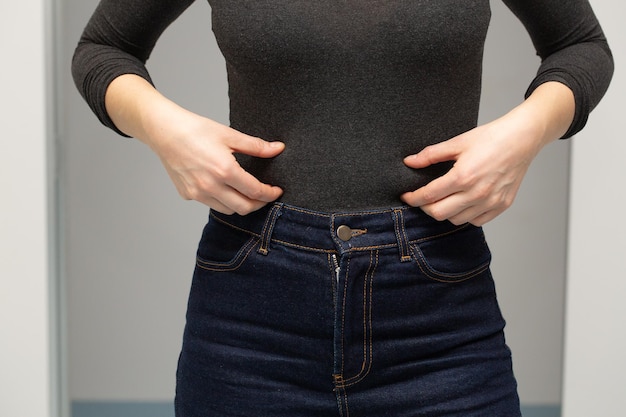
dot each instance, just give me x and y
(572, 48)
(117, 40)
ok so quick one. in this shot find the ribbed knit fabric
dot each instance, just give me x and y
(351, 87)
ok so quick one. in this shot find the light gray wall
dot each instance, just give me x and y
(595, 364)
(130, 240)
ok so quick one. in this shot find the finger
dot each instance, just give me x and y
(217, 206)
(253, 146)
(434, 191)
(223, 197)
(249, 186)
(468, 215)
(229, 201)
(455, 208)
(486, 217)
(441, 152)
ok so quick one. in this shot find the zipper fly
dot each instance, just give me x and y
(337, 268)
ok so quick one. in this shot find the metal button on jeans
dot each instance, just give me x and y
(344, 233)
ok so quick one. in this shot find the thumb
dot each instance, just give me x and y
(254, 146)
(433, 154)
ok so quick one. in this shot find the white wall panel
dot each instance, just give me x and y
(26, 324)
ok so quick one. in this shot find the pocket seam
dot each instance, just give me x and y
(439, 276)
(234, 263)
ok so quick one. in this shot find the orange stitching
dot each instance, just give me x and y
(462, 276)
(269, 222)
(368, 336)
(340, 403)
(342, 400)
(252, 243)
(365, 310)
(353, 249)
(308, 248)
(449, 232)
(397, 219)
(405, 256)
(345, 400)
(235, 227)
(375, 247)
(343, 316)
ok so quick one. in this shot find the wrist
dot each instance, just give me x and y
(163, 121)
(140, 111)
(549, 110)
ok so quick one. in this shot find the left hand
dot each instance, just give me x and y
(490, 163)
(491, 160)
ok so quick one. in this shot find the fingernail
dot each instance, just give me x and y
(276, 144)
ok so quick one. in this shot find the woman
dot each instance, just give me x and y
(343, 270)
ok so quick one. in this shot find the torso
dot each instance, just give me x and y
(351, 87)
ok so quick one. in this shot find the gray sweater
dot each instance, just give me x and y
(351, 87)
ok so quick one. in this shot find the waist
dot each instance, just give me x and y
(341, 182)
(342, 231)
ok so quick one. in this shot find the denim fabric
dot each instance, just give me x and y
(399, 318)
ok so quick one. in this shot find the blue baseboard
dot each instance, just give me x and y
(166, 409)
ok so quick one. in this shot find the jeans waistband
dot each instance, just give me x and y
(340, 232)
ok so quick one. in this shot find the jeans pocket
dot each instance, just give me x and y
(223, 248)
(454, 256)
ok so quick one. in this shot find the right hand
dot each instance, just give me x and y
(201, 164)
(196, 152)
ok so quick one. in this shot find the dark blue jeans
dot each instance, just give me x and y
(295, 313)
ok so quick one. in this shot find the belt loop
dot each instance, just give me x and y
(403, 242)
(268, 228)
